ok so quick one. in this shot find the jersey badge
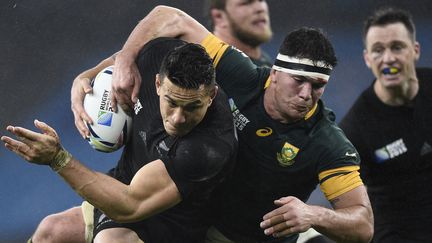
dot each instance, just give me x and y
(264, 132)
(240, 120)
(390, 151)
(287, 155)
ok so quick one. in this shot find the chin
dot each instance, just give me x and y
(391, 83)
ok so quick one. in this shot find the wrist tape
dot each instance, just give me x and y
(61, 159)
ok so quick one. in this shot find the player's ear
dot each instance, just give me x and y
(218, 17)
(366, 58)
(213, 95)
(157, 83)
(272, 77)
(417, 50)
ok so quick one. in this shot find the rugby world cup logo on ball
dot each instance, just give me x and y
(110, 130)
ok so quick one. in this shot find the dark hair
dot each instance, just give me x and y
(188, 66)
(389, 15)
(309, 43)
(217, 4)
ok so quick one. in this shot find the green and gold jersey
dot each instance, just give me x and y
(274, 159)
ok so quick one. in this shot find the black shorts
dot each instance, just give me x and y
(156, 229)
(96, 221)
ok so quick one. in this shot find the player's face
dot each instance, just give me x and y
(295, 95)
(181, 109)
(390, 46)
(248, 21)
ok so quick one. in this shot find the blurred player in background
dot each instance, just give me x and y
(243, 24)
(390, 124)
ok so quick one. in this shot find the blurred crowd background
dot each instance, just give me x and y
(44, 44)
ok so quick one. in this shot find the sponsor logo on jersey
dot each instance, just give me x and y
(287, 154)
(240, 121)
(137, 107)
(390, 151)
(264, 132)
(353, 154)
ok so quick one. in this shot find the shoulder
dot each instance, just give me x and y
(330, 142)
(200, 156)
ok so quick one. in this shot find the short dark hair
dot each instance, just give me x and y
(389, 15)
(188, 66)
(309, 43)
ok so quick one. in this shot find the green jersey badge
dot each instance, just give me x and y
(287, 155)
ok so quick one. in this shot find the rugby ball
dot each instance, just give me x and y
(110, 130)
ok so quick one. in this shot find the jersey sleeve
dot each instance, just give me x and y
(235, 72)
(338, 171)
(199, 164)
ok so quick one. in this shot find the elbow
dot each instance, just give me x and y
(126, 212)
(167, 11)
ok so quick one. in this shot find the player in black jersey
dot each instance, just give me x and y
(182, 147)
(288, 141)
(391, 126)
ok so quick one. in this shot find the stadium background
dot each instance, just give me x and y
(44, 44)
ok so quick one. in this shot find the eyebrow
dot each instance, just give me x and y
(310, 79)
(196, 102)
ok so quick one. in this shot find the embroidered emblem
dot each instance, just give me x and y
(287, 155)
(264, 132)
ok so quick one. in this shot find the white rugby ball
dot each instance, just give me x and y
(110, 130)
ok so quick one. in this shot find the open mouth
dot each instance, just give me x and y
(260, 22)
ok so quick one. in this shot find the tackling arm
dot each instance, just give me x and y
(151, 190)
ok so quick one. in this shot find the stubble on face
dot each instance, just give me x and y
(246, 33)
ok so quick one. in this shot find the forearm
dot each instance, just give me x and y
(92, 72)
(353, 224)
(162, 21)
(102, 191)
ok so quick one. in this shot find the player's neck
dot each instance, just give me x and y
(397, 96)
(253, 52)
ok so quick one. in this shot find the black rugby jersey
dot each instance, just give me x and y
(274, 159)
(196, 162)
(395, 144)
